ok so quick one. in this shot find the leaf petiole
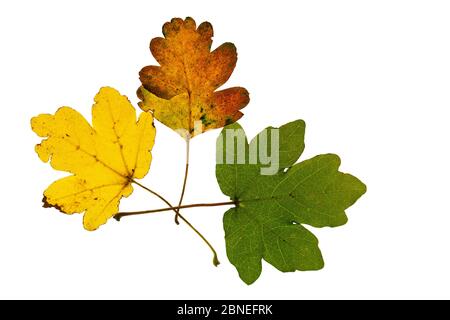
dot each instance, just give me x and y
(186, 171)
(119, 215)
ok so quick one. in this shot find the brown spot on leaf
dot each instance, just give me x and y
(46, 204)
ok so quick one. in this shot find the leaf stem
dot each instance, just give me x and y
(186, 171)
(154, 193)
(119, 215)
(215, 259)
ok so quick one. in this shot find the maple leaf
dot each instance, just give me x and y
(267, 222)
(104, 159)
(181, 91)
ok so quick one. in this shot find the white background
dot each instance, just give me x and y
(370, 78)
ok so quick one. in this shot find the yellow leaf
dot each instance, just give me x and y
(181, 92)
(104, 159)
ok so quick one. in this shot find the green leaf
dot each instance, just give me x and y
(267, 222)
